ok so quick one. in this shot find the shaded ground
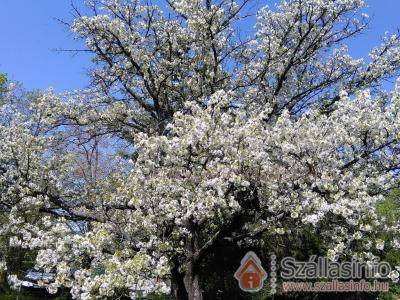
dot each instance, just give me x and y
(30, 295)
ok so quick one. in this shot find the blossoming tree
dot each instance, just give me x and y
(222, 136)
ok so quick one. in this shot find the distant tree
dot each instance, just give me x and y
(15, 101)
(3, 85)
(220, 138)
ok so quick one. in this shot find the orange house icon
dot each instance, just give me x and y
(251, 274)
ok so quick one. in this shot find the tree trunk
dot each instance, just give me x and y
(191, 276)
(192, 283)
(178, 289)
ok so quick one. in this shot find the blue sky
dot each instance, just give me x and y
(30, 34)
